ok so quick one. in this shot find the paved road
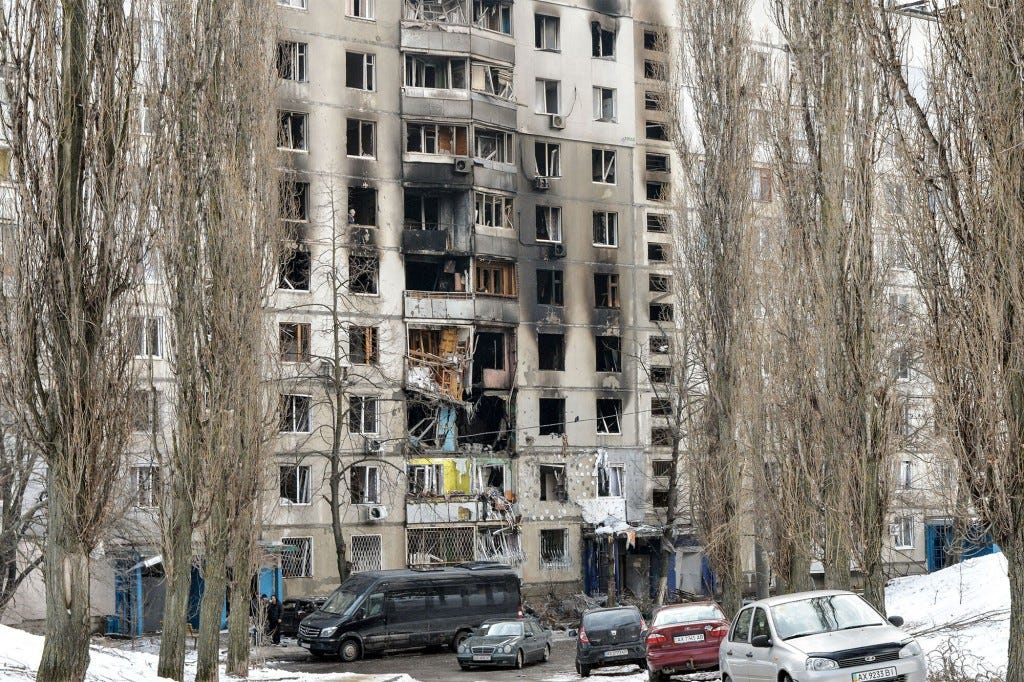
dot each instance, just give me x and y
(442, 667)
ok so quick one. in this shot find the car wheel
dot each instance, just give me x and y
(785, 678)
(547, 654)
(583, 670)
(655, 675)
(349, 650)
(520, 659)
(460, 637)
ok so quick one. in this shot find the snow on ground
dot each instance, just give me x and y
(966, 607)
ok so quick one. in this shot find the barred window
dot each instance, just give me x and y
(554, 548)
(297, 560)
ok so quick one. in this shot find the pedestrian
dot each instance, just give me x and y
(274, 619)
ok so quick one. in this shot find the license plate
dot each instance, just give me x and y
(481, 657)
(304, 645)
(616, 652)
(683, 639)
(876, 674)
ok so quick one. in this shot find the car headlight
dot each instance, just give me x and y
(911, 649)
(821, 664)
(506, 649)
(463, 648)
(327, 632)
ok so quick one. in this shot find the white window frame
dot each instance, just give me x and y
(293, 4)
(491, 79)
(616, 480)
(543, 101)
(360, 9)
(305, 558)
(296, 54)
(554, 223)
(607, 170)
(290, 402)
(430, 137)
(504, 149)
(552, 159)
(503, 8)
(565, 561)
(905, 475)
(288, 143)
(903, 538)
(370, 495)
(416, 67)
(433, 477)
(360, 402)
(361, 124)
(544, 37)
(609, 228)
(150, 330)
(369, 71)
(489, 204)
(303, 485)
(147, 480)
(600, 114)
(481, 480)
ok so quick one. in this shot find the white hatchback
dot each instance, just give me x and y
(823, 636)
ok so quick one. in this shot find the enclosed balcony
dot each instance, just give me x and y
(436, 223)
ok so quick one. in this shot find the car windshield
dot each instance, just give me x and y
(504, 629)
(687, 614)
(340, 602)
(611, 619)
(823, 614)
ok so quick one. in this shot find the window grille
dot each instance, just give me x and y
(440, 546)
(366, 553)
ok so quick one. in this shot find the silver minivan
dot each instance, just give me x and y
(823, 636)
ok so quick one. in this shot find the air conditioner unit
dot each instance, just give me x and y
(462, 165)
(373, 445)
(557, 251)
(541, 182)
(557, 121)
(376, 512)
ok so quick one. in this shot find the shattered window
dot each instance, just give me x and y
(291, 61)
(658, 253)
(602, 41)
(661, 436)
(609, 481)
(658, 191)
(493, 15)
(545, 29)
(609, 413)
(553, 485)
(547, 155)
(363, 273)
(604, 104)
(291, 130)
(294, 484)
(603, 166)
(494, 210)
(493, 145)
(492, 80)
(549, 287)
(496, 277)
(364, 484)
(425, 479)
(360, 138)
(363, 345)
(360, 70)
(554, 548)
(661, 375)
(657, 222)
(551, 416)
(295, 201)
(551, 352)
(549, 224)
(294, 271)
(294, 339)
(655, 41)
(661, 407)
(660, 345)
(295, 413)
(609, 353)
(606, 290)
(659, 283)
(660, 312)
(362, 415)
(656, 163)
(491, 476)
(656, 131)
(606, 228)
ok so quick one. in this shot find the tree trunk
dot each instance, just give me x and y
(212, 603)
(340, 548)
(238, 623)
(763, 579)
(66, 573)
(178, 567)
(609, 563)
(1014, 552)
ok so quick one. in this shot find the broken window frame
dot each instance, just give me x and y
(148, 333)
(548, 427)
(500, 354)
(548, 96)
(548, 157)
(605, 109)
(491, 206)
(606, 229)
(656, 130)
(550, 218)
(606, 290)
(660, 312)
(550, 352)
(490, 13)
(655, 101)
(655, 70)
(291, 60)
(452, 71)
(294, 485)
(661, 407)
(550, 287)
(608, 353)
(292, 130)
(495, 278)
(364, 484)
(658, 252)
(654, 40)
(559, 491)
(659, 345)
(295, 268)
(147, 481)
(657, 222)
(363, 345)
(611, 480)
(482, 481)
(609, 416)
(602, 42)
(364, 274)
(658, 191)
(554, 548)
(431, 138)
(491, 79)
(657, 163)
(296, 413)
(294, 341)
(364, 415)
(295, 201)
(362, 205)
(360, 9)
(360, 138)
(425, 480)
(659, 282)
(602, 166)
(546, 32)
(297, 564)
(367, 65)
(491, 144)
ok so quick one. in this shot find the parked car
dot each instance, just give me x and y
(823, 636)
(684, 638)
(294, 609)
(505, 642)
(410, 608)
(610, 636)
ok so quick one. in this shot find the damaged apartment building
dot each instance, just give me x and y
(503, 179)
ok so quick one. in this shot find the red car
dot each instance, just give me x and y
(684, 638)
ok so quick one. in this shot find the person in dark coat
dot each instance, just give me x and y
(274, 619)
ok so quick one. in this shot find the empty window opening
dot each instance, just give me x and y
(491, 476)
(360, 138)
(657, 191)
(655, 101)
(551, 412)
(422, 212)
(295, 413)
(295, 268)
(661, 375)
(549, 224)
(548, 97)
(609, 414)
(492, 80)
(294, 484)
(551, 352)
(291, 130)
(606, 228)
(490, 351)
(494, 210)
(364, 484)
(360, 70)
(656, 163)
(493, 145)
(548, 159)
(425, 479)
(145, 332)
(603, 165)
(550, 290)
(435, 72)
(659, 498)
(553, 484)
(661, 436)
(362, 206)
(362, 415)
(604, 104)
(493, 15)
(496, 278)
(660, 312)
(436, 138)
(609, 353)
(489, 424)
(148, 486)
(609, 480)
(657, 222)
(660, 283)
(655, 70)
(363, 345)
(655, 40)
(658, 253)
(656, 131)
(363, 273)
(445, 275)
(291, 61)
(545, 32)
(295, 201)
(554, 548)
(661, 407)
(660, 345)
(606, 290)
(297, 559)
(602, 41)
(294, 341)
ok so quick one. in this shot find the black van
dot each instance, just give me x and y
(409, 608)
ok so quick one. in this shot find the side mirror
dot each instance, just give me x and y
(360, 614)
(761, 641)
(896, 620)
(529, 634)
(572, 632)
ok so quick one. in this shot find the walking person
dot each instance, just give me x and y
(274, 619)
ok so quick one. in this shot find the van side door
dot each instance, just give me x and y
(406, 614)
(369, 621)
(447, 611)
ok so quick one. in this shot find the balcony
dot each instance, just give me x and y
(437, 170)
(436, 103)
(439, 305)
(426, 238)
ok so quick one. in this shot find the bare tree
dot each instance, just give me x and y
(78, 235)
(960, 135)
(22, 509)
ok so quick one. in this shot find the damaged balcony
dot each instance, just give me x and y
(436, 288)
(461, 490)
(483, 27)
(436, 223)
(436, 86)
(436, 154)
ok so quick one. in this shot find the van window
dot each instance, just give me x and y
(483, 597)
(374, 605)
(340, 602)
(407, 605)
(447, 601)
